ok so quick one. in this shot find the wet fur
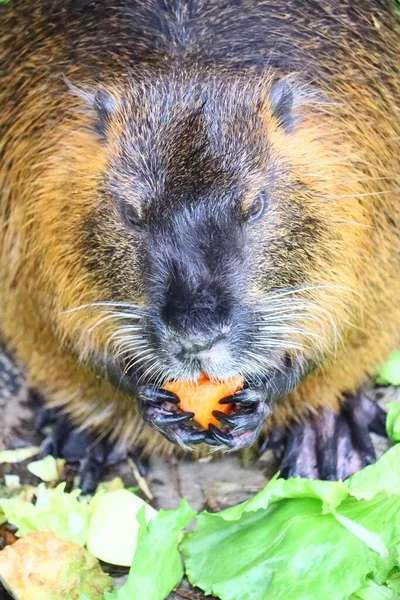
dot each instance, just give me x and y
(332, 180)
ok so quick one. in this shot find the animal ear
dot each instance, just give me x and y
(282, 103)
(105, 107)
(102, 104)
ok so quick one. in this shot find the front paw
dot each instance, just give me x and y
(242, 426)
(159, 409)
(76, 445)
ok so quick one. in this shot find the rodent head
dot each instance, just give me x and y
(201, 236)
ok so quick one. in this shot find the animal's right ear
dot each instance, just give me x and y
(103, 106)
(282, 101)
(286, 96)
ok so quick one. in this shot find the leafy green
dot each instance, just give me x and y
(393, 421)
(47, 469)
(113, 527)
(54, 511)
(373, 591)
(107, 524)
(110, 524)
(303, 539)
(389, 372)
(157, 565)
(19, 454)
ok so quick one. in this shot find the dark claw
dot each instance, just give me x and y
(157, 395)
(54, 442)
(225, 438)
(195, 437)
(210, 440)
(276, 440)
(169, 418)
(90, 475)
(240, 422)
(45, 416)
(245, 396)
(299, 458)
(378, 425)
(183, 435)
(92, 466)
(366, 413)
(224, 418)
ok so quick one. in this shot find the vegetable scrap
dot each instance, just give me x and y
(41, 566)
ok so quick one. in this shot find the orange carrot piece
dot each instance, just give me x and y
(202, 397)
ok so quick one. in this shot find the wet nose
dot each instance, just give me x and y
(196, 346)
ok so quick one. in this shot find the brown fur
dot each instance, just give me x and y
(345, 151)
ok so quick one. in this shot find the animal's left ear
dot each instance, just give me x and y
(282, 103)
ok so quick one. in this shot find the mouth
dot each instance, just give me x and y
(158, 363)
(129, 379)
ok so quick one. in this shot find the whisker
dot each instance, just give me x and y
(123, 339)
(107, 318)
(141, 311)
(306, 288)
(127, 350)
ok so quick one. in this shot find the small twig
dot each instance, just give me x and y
(187, 594)
(211, 502)
(142, 483)
(173, 468)
(6, 537)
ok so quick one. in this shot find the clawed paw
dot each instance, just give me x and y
(79, 446)
(330, 445)
(239, 429)
(159, 408)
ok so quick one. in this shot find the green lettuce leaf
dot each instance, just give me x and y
(389, 372)
(157, 564)
(303, 539)
(393, 421)
(47, 469)
(19, 454)
(54, 510)
(113, 526)
(373, 591)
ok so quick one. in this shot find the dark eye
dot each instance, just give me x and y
(256, 208)
(130, 215)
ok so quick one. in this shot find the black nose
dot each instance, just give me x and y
(192, 346)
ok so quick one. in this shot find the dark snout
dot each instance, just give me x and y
(196, 296)
(201, 347)
(196, 323)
